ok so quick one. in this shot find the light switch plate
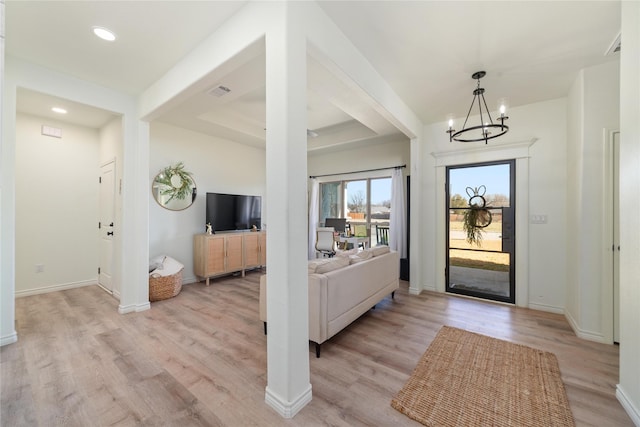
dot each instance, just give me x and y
(539, 219)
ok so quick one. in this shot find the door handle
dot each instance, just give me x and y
(111, 225)
(109, 233)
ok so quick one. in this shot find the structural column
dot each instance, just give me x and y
(133, 243)
(288, 388)
(8, 333)
(628, 391)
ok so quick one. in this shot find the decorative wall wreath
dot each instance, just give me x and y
(478, 216)
(175, 182)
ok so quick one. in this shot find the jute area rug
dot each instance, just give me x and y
(468, 379)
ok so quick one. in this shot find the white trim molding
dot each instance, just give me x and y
(133, 308)
(484, 153)
(585, 335)
(496, 152)
(284, 408)
(54, 288)
(546, 307)
(9, 339)
(627, 404)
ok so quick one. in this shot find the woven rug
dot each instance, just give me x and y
(468, 379)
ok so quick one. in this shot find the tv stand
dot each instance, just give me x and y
(225, 253)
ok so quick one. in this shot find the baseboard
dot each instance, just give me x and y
(9, 339)
(547, 308)
(414, 291)
(55, 288)
(627, 404)
(418, 291)
(284, 408)
(133, 308)
(586, 335)
(189, 280)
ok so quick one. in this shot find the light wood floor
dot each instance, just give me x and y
(200, 360)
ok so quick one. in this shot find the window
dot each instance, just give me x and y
(363, 202)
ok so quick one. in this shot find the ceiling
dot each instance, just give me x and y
(426, 51)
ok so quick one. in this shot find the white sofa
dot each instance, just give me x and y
(343, 288)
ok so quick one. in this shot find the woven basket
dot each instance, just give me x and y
(165, 287)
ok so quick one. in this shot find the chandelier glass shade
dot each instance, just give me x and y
(487, 129)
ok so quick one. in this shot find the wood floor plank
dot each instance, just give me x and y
(199, 359)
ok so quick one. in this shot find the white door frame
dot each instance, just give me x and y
(516, 150)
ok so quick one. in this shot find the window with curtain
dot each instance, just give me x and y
(362, 202)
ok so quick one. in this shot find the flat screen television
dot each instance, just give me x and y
(227, 212)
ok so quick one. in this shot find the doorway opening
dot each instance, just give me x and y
(480, 224)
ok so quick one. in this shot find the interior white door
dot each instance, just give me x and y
(106, 224)
(616, 237)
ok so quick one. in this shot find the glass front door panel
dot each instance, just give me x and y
(480, 230)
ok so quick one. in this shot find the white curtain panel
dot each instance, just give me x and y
(314, 207)
(397, 220)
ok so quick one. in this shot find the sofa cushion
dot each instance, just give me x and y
(333, 264)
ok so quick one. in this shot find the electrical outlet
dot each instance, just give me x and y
(39, 268)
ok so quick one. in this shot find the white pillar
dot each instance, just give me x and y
(7, 200)
(134, 241)
(628, 391)
(417, 227)
(288, 388)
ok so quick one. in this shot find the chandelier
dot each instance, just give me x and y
(486, 130)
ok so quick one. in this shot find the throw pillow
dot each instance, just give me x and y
(361, 256)
(313, 264)
(347, 253)
(334, 264)
(366, 254)
(379, 250)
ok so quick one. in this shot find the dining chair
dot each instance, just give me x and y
(382, 235)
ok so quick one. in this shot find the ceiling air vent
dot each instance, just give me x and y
(614, 48)
(219, 91)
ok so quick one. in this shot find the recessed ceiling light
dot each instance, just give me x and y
(59, 110)
(104, 33)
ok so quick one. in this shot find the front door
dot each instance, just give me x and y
(481, 230)
(106, 224)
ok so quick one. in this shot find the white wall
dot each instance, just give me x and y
(378, 155)
(546, 192)
(56, 206)
(629, 388)
(593, 106)
(218, 166)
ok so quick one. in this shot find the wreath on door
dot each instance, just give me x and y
(478, 216)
